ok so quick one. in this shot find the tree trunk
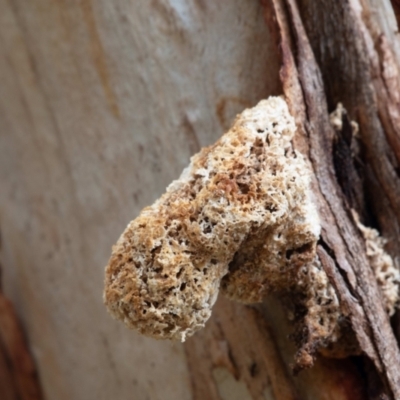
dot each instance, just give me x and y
(102, 106)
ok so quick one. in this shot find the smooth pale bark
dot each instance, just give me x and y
(102, 105)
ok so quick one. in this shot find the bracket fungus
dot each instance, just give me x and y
(240, 219)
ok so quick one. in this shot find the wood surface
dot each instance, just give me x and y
(102, 104)
(18, 374)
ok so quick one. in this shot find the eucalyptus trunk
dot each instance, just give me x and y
(103, 103)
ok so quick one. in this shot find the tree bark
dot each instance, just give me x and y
(102, 106)
(18, 377)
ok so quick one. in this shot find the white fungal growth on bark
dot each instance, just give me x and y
(240, 217)
(386, 273)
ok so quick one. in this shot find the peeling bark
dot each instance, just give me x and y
(340, 51)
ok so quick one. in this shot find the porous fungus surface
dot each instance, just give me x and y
(318, 319)
(241, 212)
(382, 264)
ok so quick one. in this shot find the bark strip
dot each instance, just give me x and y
(341, 249)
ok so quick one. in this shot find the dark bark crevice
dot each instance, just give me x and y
(331, 63)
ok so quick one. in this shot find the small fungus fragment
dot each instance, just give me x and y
(240, 217)
(386, 273)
